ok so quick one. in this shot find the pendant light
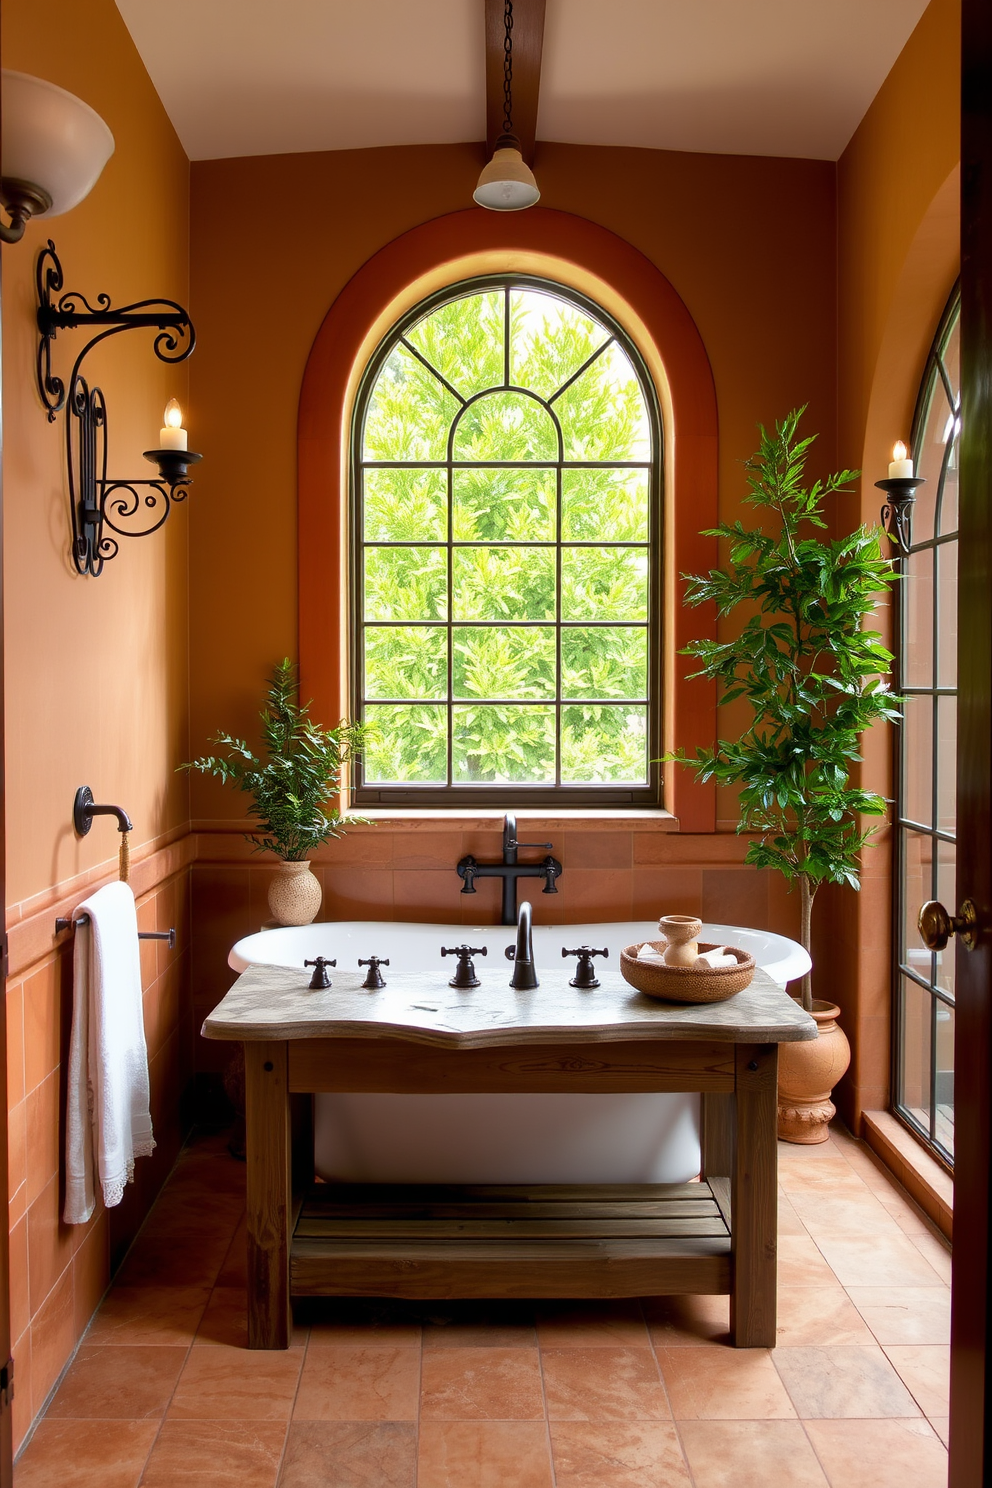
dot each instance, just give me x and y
(506, 183)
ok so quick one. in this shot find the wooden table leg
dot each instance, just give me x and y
(267, 1146)
(754, 1198)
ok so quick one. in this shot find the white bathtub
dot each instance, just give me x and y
(500, 1138)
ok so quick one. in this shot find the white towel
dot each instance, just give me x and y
(648, 953)
(716, 959)
(108, 1123)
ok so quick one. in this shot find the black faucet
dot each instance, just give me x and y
(524, 976)
(510, 870)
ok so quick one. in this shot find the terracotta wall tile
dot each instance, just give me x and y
(658, 891)
(90, 1272)
(148, 919)
(596, 894)
(44, 1135)
(17, 1161)
(365, 849)
(53, 1337)
(596, 850)
(358, 893)
(42, 1023)
(15, 1043)
(20, 1302)
(735, 897)
(221, 916)
(440, 850)
(486, 846)
(22, 1410)
(50, 1244)
(677, 847)
(426, 894)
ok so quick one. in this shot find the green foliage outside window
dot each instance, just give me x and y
(505, 498)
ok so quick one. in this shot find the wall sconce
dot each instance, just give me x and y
(130, 507)
(54, 149)
(900, 494)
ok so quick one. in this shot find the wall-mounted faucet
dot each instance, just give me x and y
(510, 870)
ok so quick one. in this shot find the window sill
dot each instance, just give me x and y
(541, 819)
(923, 1178)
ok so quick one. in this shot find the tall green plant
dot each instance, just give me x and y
(810, 671)
(300, 771)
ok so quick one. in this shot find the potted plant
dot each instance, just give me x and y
(289, 789)
(813, 677)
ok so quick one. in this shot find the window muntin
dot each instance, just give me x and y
(925, 823)
(506, 479)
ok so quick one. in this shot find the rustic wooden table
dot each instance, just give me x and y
(418, 1035)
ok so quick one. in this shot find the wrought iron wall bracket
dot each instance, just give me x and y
(897, 513)
(128, 507)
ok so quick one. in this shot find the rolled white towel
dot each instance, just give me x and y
(716, 959)
(647, 952)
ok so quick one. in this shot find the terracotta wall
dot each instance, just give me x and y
(898, 258)
(96, 673)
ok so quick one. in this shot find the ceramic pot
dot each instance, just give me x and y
(681, 932)
(294, 894)
(807, 1073)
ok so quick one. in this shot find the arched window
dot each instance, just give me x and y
(506, 521)
(924, 996)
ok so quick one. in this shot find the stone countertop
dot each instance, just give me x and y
(274, 1002)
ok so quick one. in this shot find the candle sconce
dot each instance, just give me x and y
(128, 507)
(897, 513)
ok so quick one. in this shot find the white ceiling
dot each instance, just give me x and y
(744, 77)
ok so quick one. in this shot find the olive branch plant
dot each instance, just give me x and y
(300, 771)
(811, 672)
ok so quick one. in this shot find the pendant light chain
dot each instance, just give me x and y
(508, 68)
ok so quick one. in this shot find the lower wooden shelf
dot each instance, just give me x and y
(534, 1240)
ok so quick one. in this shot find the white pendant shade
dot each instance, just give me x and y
(506, 184)
(52, 139)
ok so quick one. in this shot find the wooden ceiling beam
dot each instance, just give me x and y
(528, 45)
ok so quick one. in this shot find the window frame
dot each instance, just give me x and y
(457, 797)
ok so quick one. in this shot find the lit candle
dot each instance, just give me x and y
(899, 467)
(174, 436)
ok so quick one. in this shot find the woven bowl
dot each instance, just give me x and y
(685, 983)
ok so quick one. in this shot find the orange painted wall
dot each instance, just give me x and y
(96, 673)
(898, 256)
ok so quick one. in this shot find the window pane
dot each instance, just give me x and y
(947, 894)
(503, 505)
(604, 584)
(947, 710)
(409, 412)
(928, 454)
(549, 340)
(917, 760)
(914, 1063)
(604, 745)
(490, 662)
(405, 505)
(945, 1077)
(503, 583)
(464, 341)
(947, 618)
(503, 745)
(917, 639)
(598, 503)
(604, 662)
(407, 662)
(506, 426)
(410, 745)
(947, 520)
(406, 584)
(918, 888)
(603, 414)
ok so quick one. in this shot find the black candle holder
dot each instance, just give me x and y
(129, 508)
(897, 513)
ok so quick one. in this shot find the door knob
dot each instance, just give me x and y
(936, 926)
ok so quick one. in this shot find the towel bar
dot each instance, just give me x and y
(63, 922)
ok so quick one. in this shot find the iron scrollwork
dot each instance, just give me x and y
(99, 502)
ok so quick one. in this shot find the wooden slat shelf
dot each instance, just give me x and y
(542, 1240)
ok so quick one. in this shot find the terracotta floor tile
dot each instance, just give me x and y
(222, 1383)
(356, 1320)
(801, 1263)
(751, 1454)
(687, 1321)
(603, 1384)
(147, 1315)
(856, 1382)
(591, 1325)
(118, 1383)
(942, 1426)
(481, 1384)
(350, 1454)
(216, 1454)
(356, 1382)
(789, 1222)
(876, 1260)
(936, 1252)
(825, 1213)
(709, 1384)
(905, 1314)
(493, 1324)
(86, 1454)
(159, 1261)
(833, 1175)
(880, 1454)
(819, 1315)
(925, 1370)
(225, 1320)
(234, 1267)
(638, 1454)
(483, 1454)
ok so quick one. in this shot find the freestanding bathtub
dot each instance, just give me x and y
(500, 1138)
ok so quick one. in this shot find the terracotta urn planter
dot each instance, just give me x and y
(294, 894)
(807, 1073)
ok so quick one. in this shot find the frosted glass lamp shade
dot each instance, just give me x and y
(506, 183)
(52, 140)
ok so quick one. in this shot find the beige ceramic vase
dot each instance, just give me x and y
(682, 934)
(807, 1073)
(294, 894)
